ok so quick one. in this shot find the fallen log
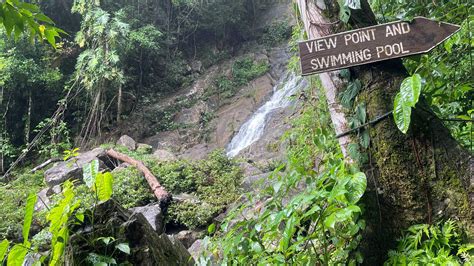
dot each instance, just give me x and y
(161, 194)
(44, 164)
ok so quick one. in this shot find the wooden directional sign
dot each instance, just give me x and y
(372, 44)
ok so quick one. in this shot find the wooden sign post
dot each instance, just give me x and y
(373, 44)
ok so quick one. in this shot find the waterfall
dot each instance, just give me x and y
(253, 129)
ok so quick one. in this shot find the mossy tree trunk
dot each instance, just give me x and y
(421, 177)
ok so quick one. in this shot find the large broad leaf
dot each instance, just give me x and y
(3, 250)
(103, 186)
(30, 208)
(89, 172)
(17, 255)
(356, 187)
(410, 90)
(401, 113)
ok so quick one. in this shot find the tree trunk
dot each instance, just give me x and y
(161, 194)
(119, 103)
(421, 177)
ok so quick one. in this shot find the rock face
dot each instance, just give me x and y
(147, 246)
(164, 155)
(43, 200)
(152, 214)
(188, 237)
(127, 142)
(72, 168)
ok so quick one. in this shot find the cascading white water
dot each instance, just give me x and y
(253, 129)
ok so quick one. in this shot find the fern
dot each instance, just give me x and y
(431, 245)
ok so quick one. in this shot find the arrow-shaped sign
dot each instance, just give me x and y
(373, 44)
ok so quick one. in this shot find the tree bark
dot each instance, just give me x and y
(161, 194)
(421, 177)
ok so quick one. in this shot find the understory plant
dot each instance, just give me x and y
(67, 211)
(306, 215)
(438, 244)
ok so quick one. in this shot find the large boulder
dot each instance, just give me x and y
(152, 214)
(127, 142)
(72, 168)
(147, 247)
(164, 156)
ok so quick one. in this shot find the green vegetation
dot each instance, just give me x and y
(304, 216)
(439, 244)
(210, 184)
(12, 197)
(444, 71)
(276, 33)
(243, 71)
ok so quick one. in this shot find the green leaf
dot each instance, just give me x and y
(17, 255)
(410, 90)
(3, 250)
(50, 35)
(356, 187)
(212, 228)
(103, 185)
(29, 209)
(107, 240)
(124, 247)
(89, 173)
(401, 113)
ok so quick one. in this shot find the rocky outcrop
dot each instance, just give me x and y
(147, 247)
(164, 156)
(127, 142)
(188, 237)
(72, 168)
(153, 215)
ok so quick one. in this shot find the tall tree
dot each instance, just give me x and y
(418, 177)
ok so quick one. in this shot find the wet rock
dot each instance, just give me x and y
(164, 156)
(127, 142)
(188, 237)
(72, 168)
(152, 214)
(144, 148)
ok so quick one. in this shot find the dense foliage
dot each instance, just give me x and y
(117, 56)
(307, 214)
(444, 72)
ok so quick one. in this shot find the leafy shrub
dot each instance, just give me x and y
(213, 181)
(131, 188)
(244, 70)
(439, 244)
(276, 33)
